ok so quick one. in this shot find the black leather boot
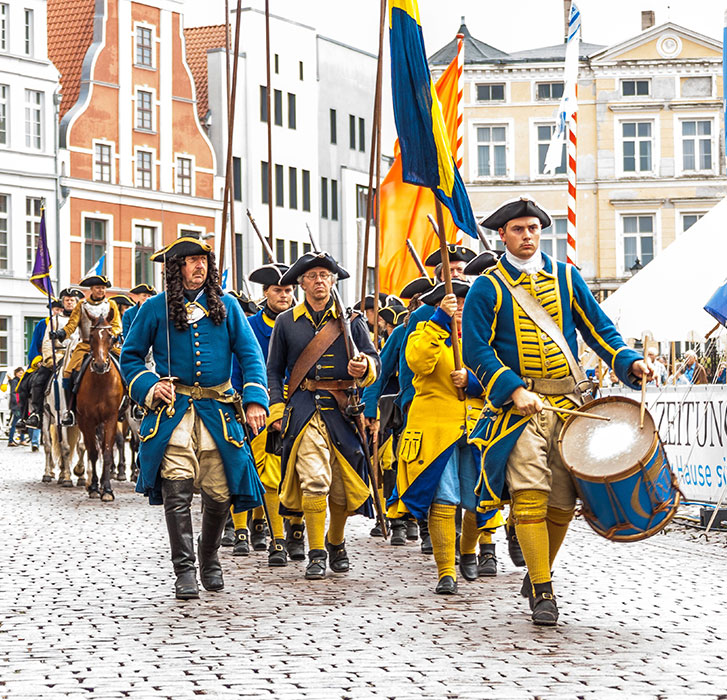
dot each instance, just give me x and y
(228, 536)
(468, 566)
(69, 418)
(277, 553)
(398, 532)
(294, 540)
(316, 568)
(241, 548)
(426, 539)
(337, 557)
(513, 546)
(487, 565)
(214, 516)
(257, 535)
(412, 530)
(177, 496)
(545, 610)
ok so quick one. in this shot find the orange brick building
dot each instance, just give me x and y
(137, 168)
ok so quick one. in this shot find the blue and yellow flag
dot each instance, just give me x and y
(426, 156)
(40, 276)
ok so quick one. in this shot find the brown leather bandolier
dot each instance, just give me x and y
(312, 353)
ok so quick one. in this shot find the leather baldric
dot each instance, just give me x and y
(312, 353)
(544, 321)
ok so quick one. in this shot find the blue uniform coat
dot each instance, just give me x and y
(128, 318)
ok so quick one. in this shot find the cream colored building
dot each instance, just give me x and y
(650, 141)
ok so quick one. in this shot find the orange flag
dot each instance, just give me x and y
(404, 207)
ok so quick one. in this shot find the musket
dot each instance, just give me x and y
(417, 260)
(355, 408)
(482, 237)
(266, 246)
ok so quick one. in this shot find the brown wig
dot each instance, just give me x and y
(175, 292)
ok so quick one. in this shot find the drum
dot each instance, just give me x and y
(621, 472)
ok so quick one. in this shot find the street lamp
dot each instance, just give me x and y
(636, 267)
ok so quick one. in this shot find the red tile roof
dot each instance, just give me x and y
(198, 40)
(70, 33)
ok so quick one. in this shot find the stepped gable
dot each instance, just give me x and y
(475, 51)
(199, 40)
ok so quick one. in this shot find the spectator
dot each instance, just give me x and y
(661, 372)
(720, 376)
(691, 370)
(14, 406)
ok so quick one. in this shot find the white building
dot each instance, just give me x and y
(28, 86)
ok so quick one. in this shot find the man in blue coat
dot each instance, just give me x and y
(192, 434)
(141, 293)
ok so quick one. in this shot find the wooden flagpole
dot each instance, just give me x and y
(225, 196)
(269, 90)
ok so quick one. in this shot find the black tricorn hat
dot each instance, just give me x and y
(269, 274)
(369, 301)
(143, 289)
(55, 304)
(308, 261)
(95, 280)
(514, 209)
(181, 248)
(456, 252)
(394, 314)
(432, 298)
(70, 292)
(122, 300)
(249, 307)
(420, 285)
(484, 261)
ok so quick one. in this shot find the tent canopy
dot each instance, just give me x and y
(666, 298)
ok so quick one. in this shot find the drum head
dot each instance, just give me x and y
(598, 448)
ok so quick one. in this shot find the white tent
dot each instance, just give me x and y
(666, 298)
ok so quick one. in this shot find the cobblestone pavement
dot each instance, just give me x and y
(86, 610)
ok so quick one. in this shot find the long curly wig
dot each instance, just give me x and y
(175, 293)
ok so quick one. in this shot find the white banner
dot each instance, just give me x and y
(692, 424)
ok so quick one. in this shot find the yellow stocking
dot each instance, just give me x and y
(557, 521)
(443, 534)
(239, 519)
(314, 509)
(485, 537)
(295, 519)
(339, 515)
(272, 501)
(529, 510)
(258, 513)
(470, 535)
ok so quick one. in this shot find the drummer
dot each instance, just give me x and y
(522, 368)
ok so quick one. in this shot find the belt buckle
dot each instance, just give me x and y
(528, 383)
(196, 393)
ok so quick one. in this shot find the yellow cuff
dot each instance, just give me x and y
(276, 413)
(370, 376)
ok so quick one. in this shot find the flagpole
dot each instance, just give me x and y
(225, 198)
(234, 282)
(270, 124)
(572, 182)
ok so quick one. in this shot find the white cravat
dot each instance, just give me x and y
(531, 266)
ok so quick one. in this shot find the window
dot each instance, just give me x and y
(352, 131)
(32, 229)
(278, 107)
(144, 246)
(300, 70)
(143, 169)
(279, 187)
(4, 228)
(144, 110)
(277, 64)
(4, 94)
(29, 21)
(361, 134)
(554, 239)
(697, 144)
(635, 88)
(293, 251)
(280, 250)
(332, 117)
(334, 200)
(638, 238)
(688, 220)
(491, 145)
(493, 238)
(237, 178)
(293, 188)
(190, 233)
(102, 162)
(491, 92)
(545, 134)
(548, 91)
(324, 197)
(34, 119)
(4, 340)
(264, 182)
(239, 260)
(637, 147)
(4, 14)
(291, 111)
(94, 243)
(144, 46)
(362, 194)
(305, 186)
(184, 175)
(307, 247)
(263, 103)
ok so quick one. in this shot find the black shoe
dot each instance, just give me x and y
(34, 448)
(412, 530)
(177, 496)
(228, 536)
(338, 557)
(513, 546)
(398, 532)
(68, 420)
(487, 564)
(32, 421)
(426, 539)
(376, 531)
(214, 517)
(468, 566)
(241, 547)
(446, 586)
(526, 590)
(277, 553)
(316, 568)
(257, 535)
(12, 443)
(545, 610)
(294, 541)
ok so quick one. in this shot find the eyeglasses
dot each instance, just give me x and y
(312, 276)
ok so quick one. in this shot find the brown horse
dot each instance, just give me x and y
(97, 406)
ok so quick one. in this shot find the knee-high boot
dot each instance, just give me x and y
(177, 495)
(214, 517)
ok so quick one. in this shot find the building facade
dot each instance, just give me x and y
(28, 106)
(650, 158)
(138, 169)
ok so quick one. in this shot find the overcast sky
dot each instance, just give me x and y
(509, 25)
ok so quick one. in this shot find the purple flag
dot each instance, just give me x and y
(40, 277)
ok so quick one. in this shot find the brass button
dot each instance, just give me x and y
(196, 335)
(199, 374)
(547, 363)
(190, 400)
(196, 343)
(198, 363)
(544, 336)
(196, 383)
(197, 353)
(194, 325)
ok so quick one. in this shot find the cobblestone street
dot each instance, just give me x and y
(87, 610)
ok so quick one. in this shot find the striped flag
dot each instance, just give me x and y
(40, 276)
(97, 267)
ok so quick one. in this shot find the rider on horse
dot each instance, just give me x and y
(82, 318)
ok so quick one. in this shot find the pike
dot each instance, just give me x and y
(266, 245)
(355, 408)
(417, 260)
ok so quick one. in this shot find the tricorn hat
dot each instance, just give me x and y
(269, 274)
(456, 252)
(369, 301)
(95, 280)
(420, 285)
(459, 287)
(181, 248)
(71, 292)
(514, 209)
(143, 289)
(249, 307)
(122, 300)
(484, 261)
(308, 261)
(55, 304)
(394, 314)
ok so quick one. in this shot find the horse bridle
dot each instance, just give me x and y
(107, 364)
